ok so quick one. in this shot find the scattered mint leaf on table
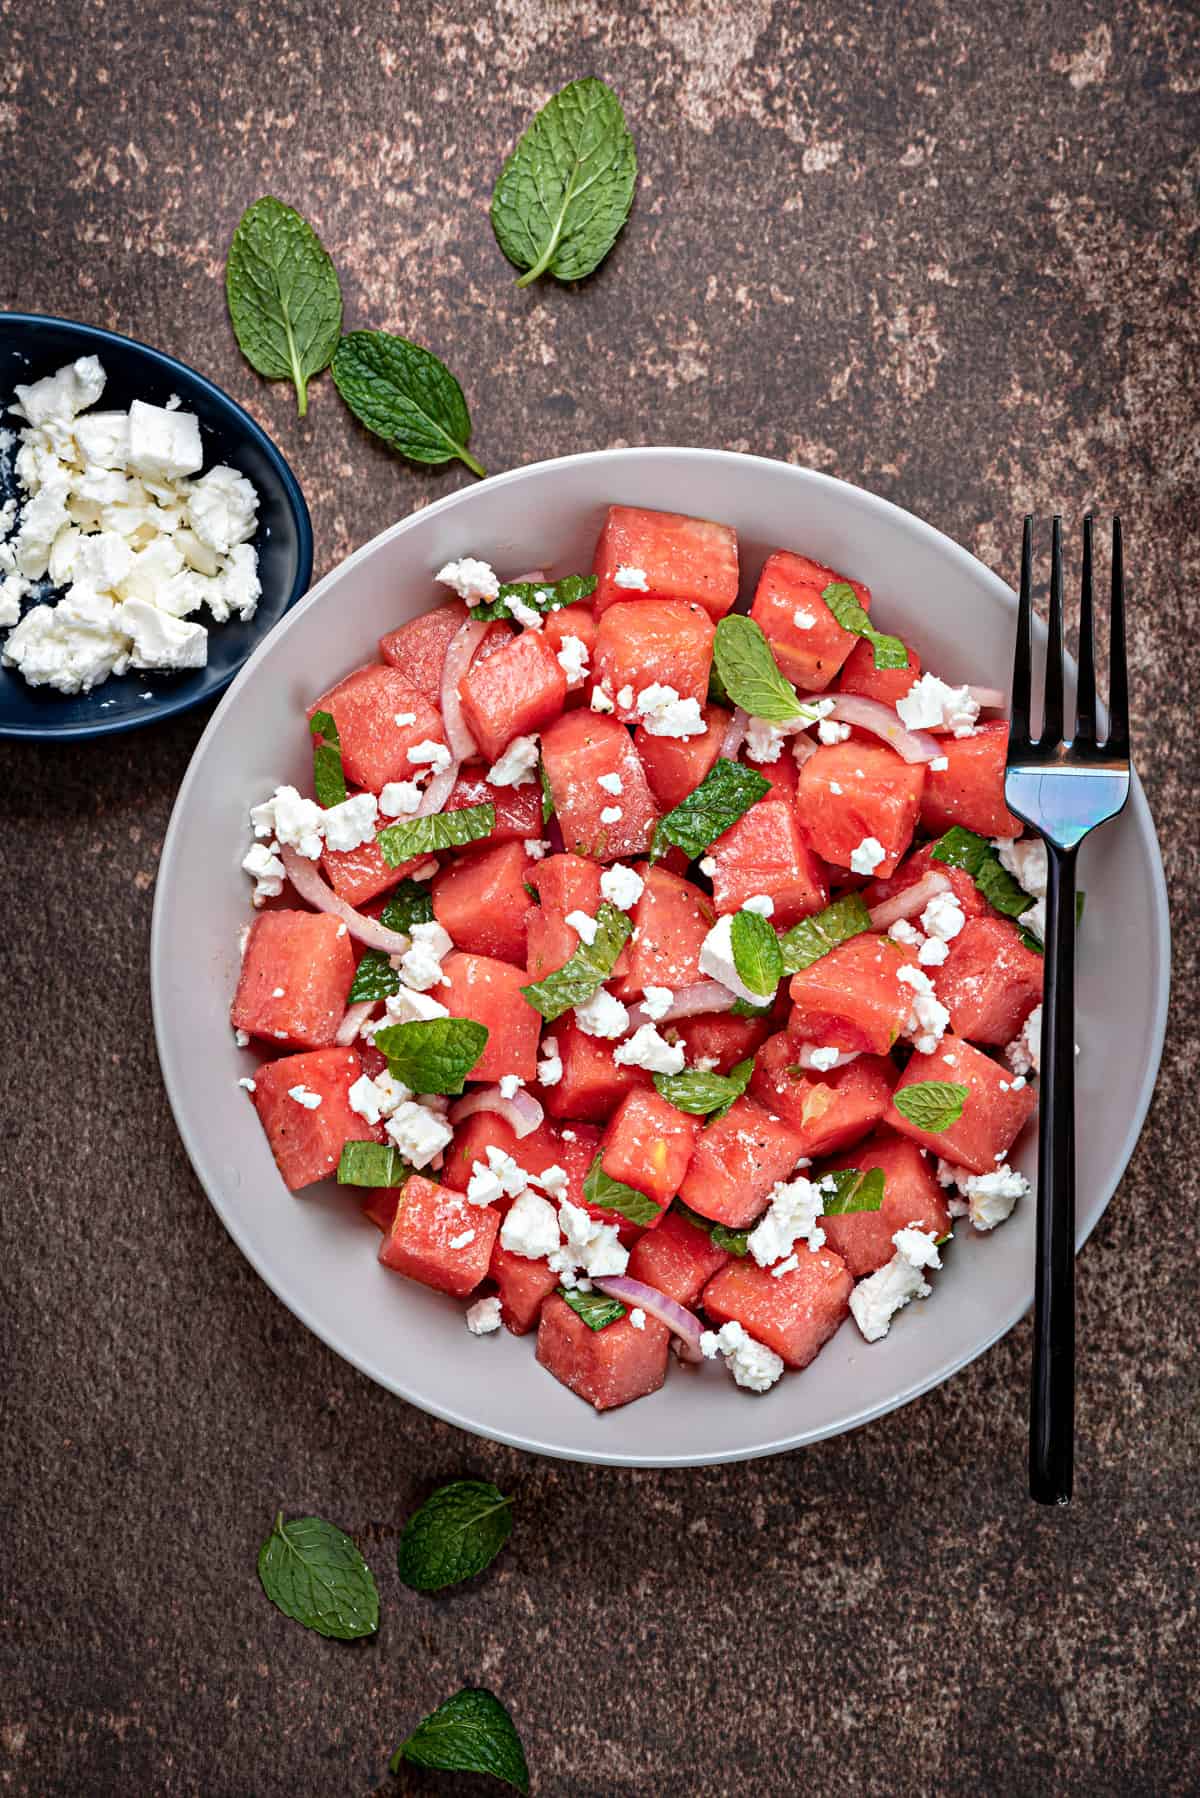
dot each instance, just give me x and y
(405, 395)
(539, 596)
(596, 1308)
(852, 1191)
(726, 792)
(457, 1532)
(285, 302)
(601, 1189)
(374, 978)
(814, 937)
(849, 611)
(432, 1055)
(371, 1164)
(751, 676)
(588, 968)
(756, 953)
(566, 190)
(329, 779)
(400, 843)
(315, 1574)
(471, 1733)
(411, 903)
(932, 1105)
(698, 1092)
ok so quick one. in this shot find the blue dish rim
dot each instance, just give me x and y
(170, 706)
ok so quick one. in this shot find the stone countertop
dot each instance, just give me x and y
(948, 253)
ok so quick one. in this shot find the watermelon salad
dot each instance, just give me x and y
(652, 974)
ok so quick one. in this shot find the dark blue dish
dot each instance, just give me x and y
(31, 347)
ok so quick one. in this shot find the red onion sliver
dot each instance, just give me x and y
(679, 1320)
(881, 721)
(802, 747)
(688, 1002)
(554, 835)
(534, 575)
(735, 734)
(909, 902)
(523, 1113)
(305, 876)
(459, 651)
(434, 798)
(356, 1016)
(988, 699)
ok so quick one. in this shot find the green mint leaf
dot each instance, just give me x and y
(399, 843)
(717, 692)
(471, 1733)
(432, 1055)
(596, 1308)
(1031, 942)
(734, 1242)
(329, 779)
(456, 1534)
(547, 793)
(539, 596)
(698, 1093)
(851, 1191)
(742, 1008)
(566, 190)
(601, 1189)
(371, 1164)
(932, 1105)
(963, 849)
(814, 937)
(374, 978)
(756, 953)
(588, 968)
(750, 674)
(315, 1574)
(285, 303)
(849, 612)
(411, 903)
(405, 395)
(726, 791)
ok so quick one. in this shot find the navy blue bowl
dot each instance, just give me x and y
(31, 347)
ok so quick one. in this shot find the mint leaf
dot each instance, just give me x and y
(547, 792)
(471, 1733)
(742, 1008)
(932, 1105)
(371, 1164)
(539, 596)
(374, 978)
(432, 1055)
(698, 1093)
(750, 674)
(566, 190)
(285, 303)
(756, 953)
(601, 1189)
(814, 937)
(314, 1573)
(457, 1532)
(411, 903)
(596, 1308)
(405, 395)
(961, 848)
(1031, 942)
(726, 791)
(851, 1191)
(329, 779)
(399, 843)
(717, 692)
(588, 968)
(852, 615)
(734, 1242)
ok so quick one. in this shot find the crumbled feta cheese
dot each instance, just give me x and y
(764, 742)
(483, 1185)
(72, 646)
(601, 700)
(611, 783)
(290, 819)
(472, 580)
(163, 446)
(647, 1049)
(418, 1133)
(822, 1059)
(918, 1247)
(526, 615)
(625, 698)
(550, 1068)
(708, 865)
(637, 1318)
(1024, 1053)
(250, 1086)
(752, 1364)
(303, 1096)
(573, 660)
(633, 579)
(930, 704)
(664, 713)
(657, 1001)
(399, 798)
(379, 1097)
(536, 847)
(939, 764)
(762, 903)
(612, 814)
(530, 1227)
(830, 731)
(403, 719)
(421, 965)
(602, 1015)
(351, 822)
(267, 871)
(802, 620)
(932, 952)
(867, 857)
(928, 1020)
(408, 1006)
(589, 1246)
(511, 1175)
(435, 754)
(510, 1085)
(1034, 920)
(483, 1316)
(943, 917)
(904, 932)
(1026, 860)
(242, 1038)
(517, 765)
(621, 886)
(876, 1300)
(584, 926)
(794, 1207)
(991, 1197)
(553, 1179)
(463, 1240)
(716, 960)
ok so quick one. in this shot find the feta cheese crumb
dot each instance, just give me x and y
(621, 886)
(611, 783)
(553, 1179)
(530, 1227)
(601, 700)
(536, 848)
(418, 1133)
(589, 1246)
(351, 822)
(943, 917)
(632, 579)
(377, 1098)
(510, 1085)
(435, 754)
(463, 1240)
(664, 713)
(573, 660)
(249, 1085)
(794, 1207)
(637, 1318)
(928, 1020)
(876, 1300)
(408, 1006)
(292, 820)
(932, 952)
(403, 719)
(803, 621)
(602, 1015)
(517, 765)
(612, 814)
(584, 926)
(762, 903)
(1024, 1053)
(242, 1038)
(716, 960)
(625, 698)
(904, 932)
(526, 615)
(830, 731)
(550, 1068)
(991, 1197)
(764, 742)
(303, 1096)
(267, 871)
(657, 1002)
(483, 1316)
(472, 580)
(939, 764)
(930, 704)
(647, 1049)
(421, 965)
(867, 857)
(483, 1185)
(399, 797)
(822, 1059)
(752, 1364)
(708, 865)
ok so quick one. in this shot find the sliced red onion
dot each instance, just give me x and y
(909, 902)
(356, 1016)
(522, 1113)
(534, 577)
(735, 734)
(802, 747)
(306, 877)
(882, 721)
(681, 1322)
(988, 699)
(459, 652)
(688, 1002)
(434, 798)
(554, 835)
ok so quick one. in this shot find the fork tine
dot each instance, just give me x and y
(1118, 676)
(1023, 652)
(1052, 711)
(1085, 692)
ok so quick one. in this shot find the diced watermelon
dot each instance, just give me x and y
(653, 642)
(989, 982)
(675, 766)
(518, 809)
(718, 1036)
(850, 791)
(365, 707)
(670, 920)
(488, 990)
(512, 693)
(578, 1147)
(994, 1112)
(592, 1086)
(570, 621)
(782, 773)
(911, 1195)
(794, 1314)
(522, 1285)
(853, 997)
(738, 1159)
(915, 867)
(306, 1141)
(681, 558)
(676, 1258)
(564, 883)
(360, 875)
(648, 1145)
(430, 1220)
(808, 653)
(606, 1367)
(485, 1130)
(380, 1205)
(482, 901)
(294, 978)
(970, 791)
(419, 647)
(576, 750)
(887, 685)
(828, 1111)
(765, 852)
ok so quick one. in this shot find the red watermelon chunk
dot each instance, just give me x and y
(419, 647)
(764, 852)
(360, 875)
(564, 883)
(915, 867)
(737, 1160)
(489, 991)
(307, 1141)
(482, 901)
(294, 978)
(485, 1130)
(576, 750)
(995, 1110)
(676, 1258)
(853, 997)
(828, 1111)
(782, 773)
(570, 621)
(592, 1086)
(850, 791)
(682, 558)
(670, 922)
(795, 1314)
(808, 653)
(380, 1205)
(522, 1286)
(718, 1037)
(648, 1145)
(512, 693)
(607, 1367)
(675, 766)
(970, 791)
(989, 982)
(653, 642)
(426, 1239)
(911, 1195)
(887, 685)
(518, 809)
(365, 707)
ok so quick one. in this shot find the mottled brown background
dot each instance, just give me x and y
(943, 250)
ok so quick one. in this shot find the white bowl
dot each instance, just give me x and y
(318, 1254)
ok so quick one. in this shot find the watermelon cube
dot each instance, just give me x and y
(794, 1314)
(717, 1037)
(670, 922)
(522, 1286)
(360, 875)
(737, 1160)
(970, 791)
(306, 1139)
(512, 693)
(675, 766)
(571, 621)
(887, 685)
(989, 982)
(485, 1130)
(490, 992)
(380, 1205)
(850, 791)
(607, 1367)
(911, 1195)
(294, 978)
(681, 558)
(853, 997)
(676, 1258)
(439, 1239)
(592, 1086)
(995, 1110)
(564, 883)
(765, 852)
(481, 899)
(648, 1145)
(518, 809)
(577, 749)
(419, 647)
(783, 774)
(827, 1111)
(652, 642)
(810, 651)
(366, 707)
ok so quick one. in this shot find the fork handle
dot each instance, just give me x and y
(1052, 1404)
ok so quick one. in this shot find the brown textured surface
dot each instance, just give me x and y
(943, 251)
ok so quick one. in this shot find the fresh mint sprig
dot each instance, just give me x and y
(406, 395)
(726, 792)
(756, 953)
(432, 1055)
(595, 1308)
(961, 848)
(932, 1105)
(313, 1573)
(329, 778)
(458, 1531)
(471, 1733)
(734, 1242)
(601, 1189)
(285, 301)
(374, 978)
(411, 903)
(587, 970)
(539, 596)
(400, 843)
(371, 1164)
(751, 676)
(852, 615)
(699, 1092)
(810, 939)
(851, 1190)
